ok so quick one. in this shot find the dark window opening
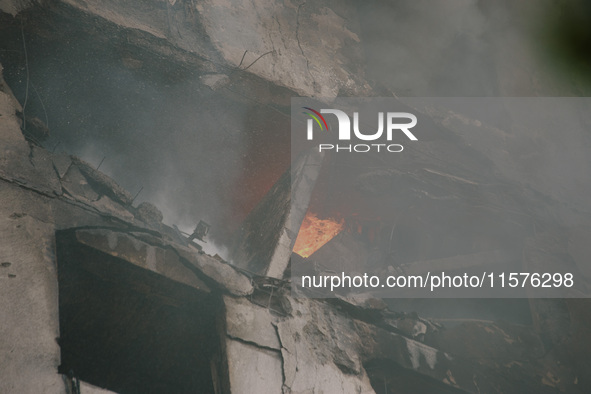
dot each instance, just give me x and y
(130, 330)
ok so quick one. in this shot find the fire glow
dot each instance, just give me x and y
(315, 232)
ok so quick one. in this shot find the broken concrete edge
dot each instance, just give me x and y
(148, 251)
(125, 247)
(103, 182)
(409, 325)
(303, 176)
(317, 336)
(29, 165)
(113, 23)
(297, 344)
(220, 272)
(264, 243)
(255, 241)
(110, 200)
(380, 344)
(250, 323)
(202, 54)
(256, 338)
(80, 203)
(363, 307)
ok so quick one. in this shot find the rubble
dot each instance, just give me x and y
(149, 214)
(76, 185)
(222, 273)
(102, 182)
(105, 204)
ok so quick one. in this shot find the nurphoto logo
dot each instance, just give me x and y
(395, 122)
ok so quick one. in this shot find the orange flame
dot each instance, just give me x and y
(314, 233)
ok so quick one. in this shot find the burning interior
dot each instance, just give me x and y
(122, 125)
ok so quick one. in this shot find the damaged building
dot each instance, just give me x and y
(99, 294)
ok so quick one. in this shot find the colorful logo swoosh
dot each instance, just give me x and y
(316, 115)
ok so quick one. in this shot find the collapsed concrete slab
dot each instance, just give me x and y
(128, 249)
(265, 240)
(210, 36)
(220, 272)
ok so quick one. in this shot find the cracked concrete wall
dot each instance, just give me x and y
(314, 346)
(29, 353)
(312, 48)
(294, 354)
(280, 344)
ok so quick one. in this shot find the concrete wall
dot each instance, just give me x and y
(312, 48)
(29, 352)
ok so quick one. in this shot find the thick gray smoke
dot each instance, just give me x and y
(426, 48)
(203, 154)
(456, 48)
(162, 132)
(179, 143)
